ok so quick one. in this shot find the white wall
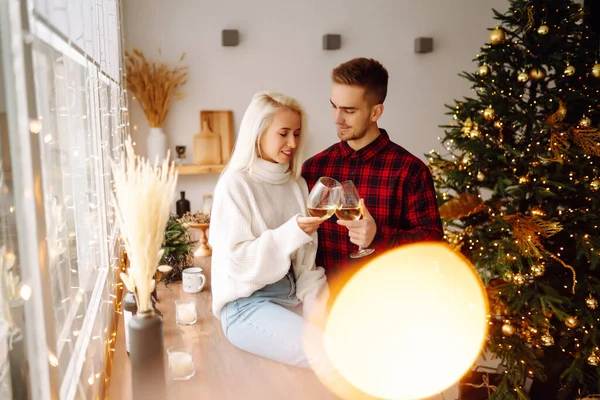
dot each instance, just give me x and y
(280, 50)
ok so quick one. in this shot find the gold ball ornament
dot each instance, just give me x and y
(537, 74)
(570, 70)
(595, 184)
(543, 30)
(519, 279)
(474, 133)
(508, 276)
(508, 329)
(571, 321)
(498, 124)
(591, 303)
(480, 176)
(593, 360)
(547, 340)
(585, 122)
(497, 36)
(522, 77)
(596, 70)
(489, 113)
(538, 270)
(484, 70)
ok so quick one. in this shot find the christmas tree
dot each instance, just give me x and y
(519, 192)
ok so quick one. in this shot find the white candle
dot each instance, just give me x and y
(186, 313)
(181, 365)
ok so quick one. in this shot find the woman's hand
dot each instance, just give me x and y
(309, 224)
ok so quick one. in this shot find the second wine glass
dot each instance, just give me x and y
(350, 210)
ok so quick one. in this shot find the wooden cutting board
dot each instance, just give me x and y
(221, 123)
(207, 146)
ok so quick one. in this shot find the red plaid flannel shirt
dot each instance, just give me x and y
(397, 189)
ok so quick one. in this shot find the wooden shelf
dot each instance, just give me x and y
(193, 169)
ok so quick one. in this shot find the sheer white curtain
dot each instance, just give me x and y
(71, 62)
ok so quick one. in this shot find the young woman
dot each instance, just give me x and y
(264, 280)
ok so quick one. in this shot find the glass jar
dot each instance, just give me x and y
(207, 202)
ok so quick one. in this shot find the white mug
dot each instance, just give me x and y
(193, 280)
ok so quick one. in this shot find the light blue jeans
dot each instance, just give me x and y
(267, 323)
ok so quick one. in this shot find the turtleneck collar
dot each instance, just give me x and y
(271, 172)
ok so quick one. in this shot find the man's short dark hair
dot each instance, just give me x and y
(366, 73)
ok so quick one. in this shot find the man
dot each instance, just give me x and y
(399, 197)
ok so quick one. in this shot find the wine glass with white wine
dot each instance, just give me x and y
(324, 198)
(350, 210)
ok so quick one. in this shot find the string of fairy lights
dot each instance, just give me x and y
(103, 119)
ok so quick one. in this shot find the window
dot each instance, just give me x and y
(62, 176)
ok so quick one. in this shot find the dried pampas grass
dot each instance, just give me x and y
(142, 201)
(153, 85)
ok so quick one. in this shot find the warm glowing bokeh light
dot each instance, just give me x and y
(409, 324)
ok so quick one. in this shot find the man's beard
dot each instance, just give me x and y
(356, 136)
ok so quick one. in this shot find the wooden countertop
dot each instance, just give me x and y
(223, 372)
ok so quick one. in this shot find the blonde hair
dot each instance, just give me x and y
(256, 121)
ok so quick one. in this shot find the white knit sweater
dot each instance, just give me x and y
(255, 237)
